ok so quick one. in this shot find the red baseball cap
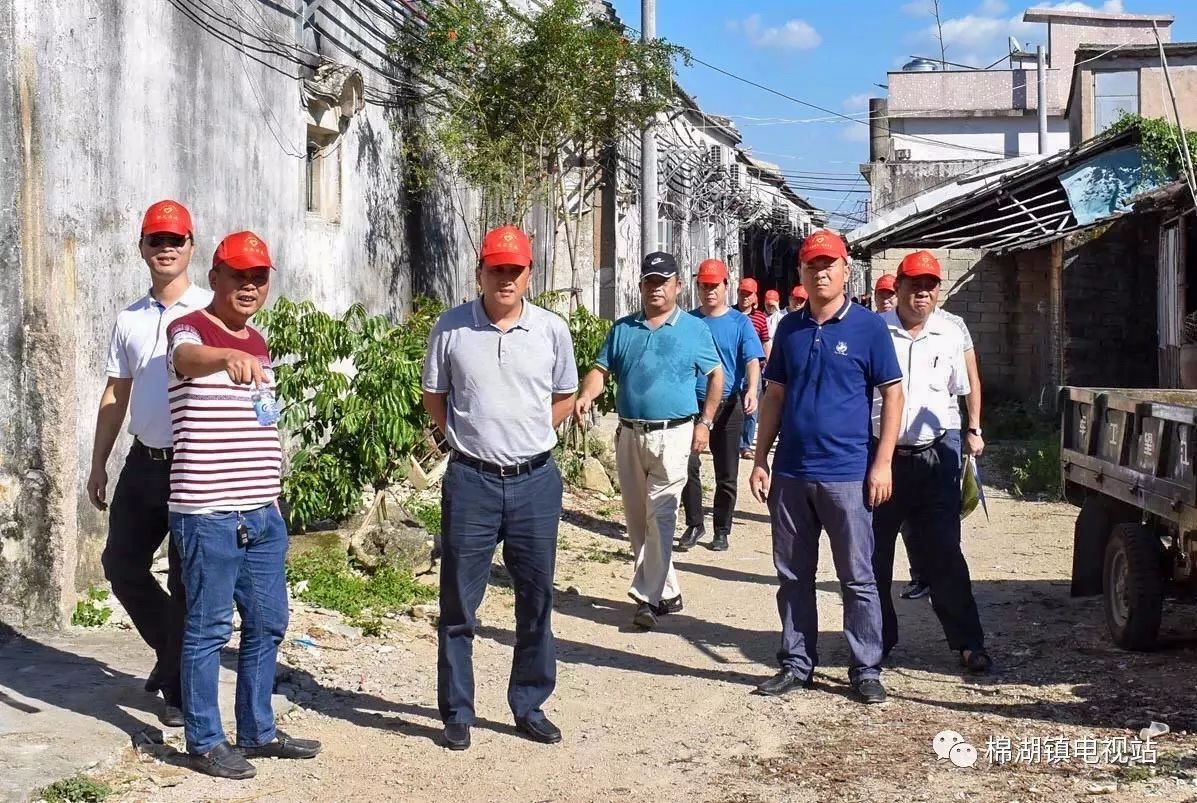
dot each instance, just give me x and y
(799, 292)
(166, 217)
(822, 243)
(243, 250)
(711, 271)
(887, 281)
(920, 263)
(506, 245)
(771, 295)
(747, 285)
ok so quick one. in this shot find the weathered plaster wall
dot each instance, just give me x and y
(106, 106)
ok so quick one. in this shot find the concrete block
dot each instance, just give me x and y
(984, 306)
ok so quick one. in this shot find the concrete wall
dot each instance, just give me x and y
(94, 126)
(1066, 34)
(1154, 99)
(892, 184)
(981, 137)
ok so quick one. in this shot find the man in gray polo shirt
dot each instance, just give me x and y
(498, 379)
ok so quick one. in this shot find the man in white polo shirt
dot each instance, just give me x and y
(138, 520)
(926, 467)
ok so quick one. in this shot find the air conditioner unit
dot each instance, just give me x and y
(902, 154)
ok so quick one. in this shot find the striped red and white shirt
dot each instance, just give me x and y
(224, 460)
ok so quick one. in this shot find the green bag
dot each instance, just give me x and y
(970, 489)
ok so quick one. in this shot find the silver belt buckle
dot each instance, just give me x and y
(509, 471)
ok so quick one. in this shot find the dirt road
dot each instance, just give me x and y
(667, 715)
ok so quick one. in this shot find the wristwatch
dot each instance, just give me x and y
(708, 423)
(974, 431)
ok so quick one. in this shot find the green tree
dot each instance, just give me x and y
(520, 100)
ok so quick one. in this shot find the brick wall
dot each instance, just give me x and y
(1110, 304)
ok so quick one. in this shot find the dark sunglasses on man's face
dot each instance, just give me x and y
(165, 240)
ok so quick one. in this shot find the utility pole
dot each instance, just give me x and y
(1042, 67)
(648, 147)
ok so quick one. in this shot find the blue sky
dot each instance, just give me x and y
(831, 54)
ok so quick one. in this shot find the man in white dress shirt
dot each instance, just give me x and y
(926, 466)
(138, 519)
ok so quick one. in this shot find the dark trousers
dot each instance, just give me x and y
(799, 511)
(927, 498)
(478, 510)
(916, 573)
(138, 521)
(725, 443)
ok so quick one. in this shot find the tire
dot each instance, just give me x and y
(1134, 586)
(1092, 531)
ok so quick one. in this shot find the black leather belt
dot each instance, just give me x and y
(503, 471)
(654, 426)
(152, 453)
(904, 450)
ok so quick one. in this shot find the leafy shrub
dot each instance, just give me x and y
(1036, 469)
(92, 611)
(349, 389)
(79, 789)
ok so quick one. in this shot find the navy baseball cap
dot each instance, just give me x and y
(658, 263)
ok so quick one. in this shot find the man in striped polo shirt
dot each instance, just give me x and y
(224, 516)
(747, 304)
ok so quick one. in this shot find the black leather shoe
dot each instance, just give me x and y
(871, 691)
(783, 682)
(670, 606)
(457, 736)
(690, 538)
(152, 682)
(172, 712)
(539, 730)
(283, 746)
(977, 661)
(646, 616)
(222, 761)
(719, 542)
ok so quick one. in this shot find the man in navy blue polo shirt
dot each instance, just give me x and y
(656, 356)
(825, 364)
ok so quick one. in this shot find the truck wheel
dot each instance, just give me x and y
(1134, 586)
(1093, 524)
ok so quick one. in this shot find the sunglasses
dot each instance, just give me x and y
(165, 240)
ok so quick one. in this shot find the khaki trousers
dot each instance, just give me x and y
(652, 474)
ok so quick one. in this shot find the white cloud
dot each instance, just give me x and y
(857, 101)
(795, 34)
(980, 37)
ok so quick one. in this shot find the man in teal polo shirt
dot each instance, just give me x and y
(826, 362)
(656, 356)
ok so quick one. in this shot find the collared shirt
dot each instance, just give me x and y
(137, 351)
(737, 344)
(829, 371)
(954, 421)
(500, 385)
(655, 369)
(771, 321)
(760, 322)
(933, 375)
(226, 458)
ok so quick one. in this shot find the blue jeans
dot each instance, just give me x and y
(216, 573)
(478, 510)
(748, 434)
(800, 510)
